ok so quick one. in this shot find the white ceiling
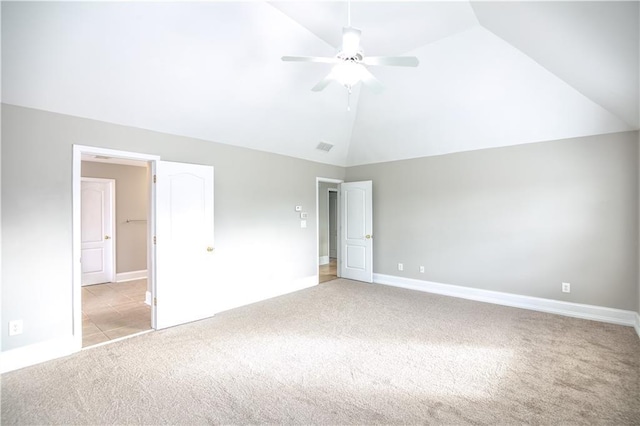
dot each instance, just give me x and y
(491, 73)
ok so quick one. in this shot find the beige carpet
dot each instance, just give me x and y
(346, 353)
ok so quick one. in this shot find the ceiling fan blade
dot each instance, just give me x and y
(396, 61)
(310, 59)
(350, 41)
(322, 83)
(373, 83)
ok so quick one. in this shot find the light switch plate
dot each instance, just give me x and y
(304, 215)
(298, 208)
(303, 224)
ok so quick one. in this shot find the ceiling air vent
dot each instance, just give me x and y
(323, 146)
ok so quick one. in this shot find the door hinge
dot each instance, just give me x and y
(154, 239)
(155, 301)
(154, 178)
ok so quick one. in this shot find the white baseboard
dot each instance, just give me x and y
(131, 276)
(147, 298)
(300, 284)
(637, 324)
(577, 310)
(324, 260)
(293, 286)
(25, 356)
(254, 297)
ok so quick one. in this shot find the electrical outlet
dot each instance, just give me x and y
(566, 287)
(15, 327)
(400, 267)
(422, 269)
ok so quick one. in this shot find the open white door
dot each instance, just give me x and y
(356, 239)
(97, 236)
(184, 290)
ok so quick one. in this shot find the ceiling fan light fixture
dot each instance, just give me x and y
(347, 73)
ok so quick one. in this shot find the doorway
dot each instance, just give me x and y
(103, 312)
(114, 248)
(333, 224)
(327, 218)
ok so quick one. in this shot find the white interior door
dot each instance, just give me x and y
(96, 230)
(184, 288)
(356, 205)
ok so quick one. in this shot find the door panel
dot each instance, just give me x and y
(354, 203)
(96, 231)
(92, 260)
(357, 230)
(184, 243)
(356, 257)
(92, 226)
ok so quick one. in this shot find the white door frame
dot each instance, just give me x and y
(78, 151)
(326, 180)
(112, 185)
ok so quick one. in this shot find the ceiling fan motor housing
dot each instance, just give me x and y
(358, 57)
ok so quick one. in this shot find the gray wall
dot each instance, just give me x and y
(132, 198)
(323, 213)
(258, 234)
(520, 219)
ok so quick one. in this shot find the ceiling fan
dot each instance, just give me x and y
(350, 63)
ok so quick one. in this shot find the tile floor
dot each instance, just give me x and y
(329, 271)
(114, 310)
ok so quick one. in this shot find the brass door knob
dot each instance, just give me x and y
(368, 237)
(106, 237)
(209, 249)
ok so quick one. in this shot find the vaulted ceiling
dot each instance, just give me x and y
(491, 73)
